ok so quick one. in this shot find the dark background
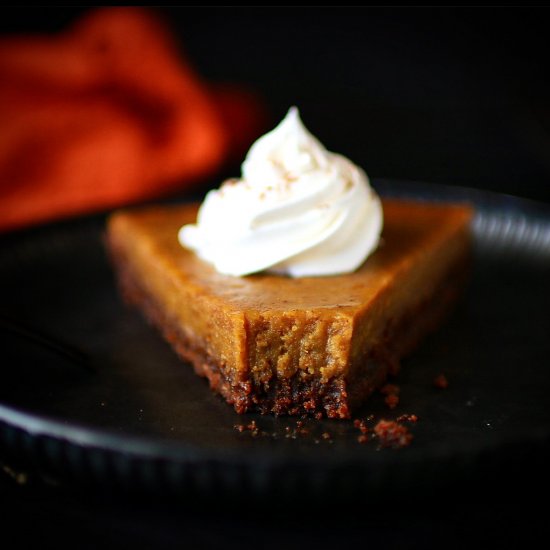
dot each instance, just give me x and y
(452, 96)
(456, 96)
(447, 95)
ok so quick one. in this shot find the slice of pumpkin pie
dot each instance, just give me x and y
(295, 290)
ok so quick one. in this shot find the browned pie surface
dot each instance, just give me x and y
(253, 336)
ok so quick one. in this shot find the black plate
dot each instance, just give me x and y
(106, 401)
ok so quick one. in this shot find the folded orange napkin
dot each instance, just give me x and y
(108, 113)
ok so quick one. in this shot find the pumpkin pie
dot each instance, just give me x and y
(282, 345)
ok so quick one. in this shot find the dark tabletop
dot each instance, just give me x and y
(450, 96)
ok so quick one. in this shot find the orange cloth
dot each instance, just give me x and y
(105, 114)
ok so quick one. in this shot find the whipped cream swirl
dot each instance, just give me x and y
(298, 210)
